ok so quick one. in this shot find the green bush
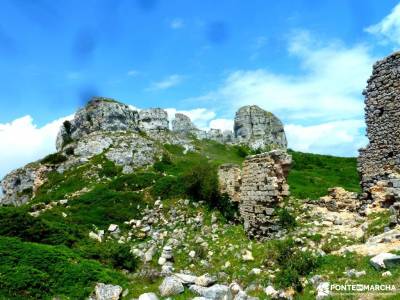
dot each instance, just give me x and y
(109, 169)
(103, 206)
(293, 264)
(286, 219)
(164, 164)
(16, 222)
(201, 183)
(133, 182)
(111, 253)
(168, 187)
(35, 271)
(54, 159)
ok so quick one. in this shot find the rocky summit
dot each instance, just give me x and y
(132, 206)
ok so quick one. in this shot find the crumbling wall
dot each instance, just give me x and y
(229, 176)
(263, 187)
(381, 157)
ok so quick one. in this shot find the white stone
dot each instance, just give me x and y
(107, 292)
(170, 287)
(148, 296)
(383, 260)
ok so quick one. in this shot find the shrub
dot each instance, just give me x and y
(35, 271)
(111, 253)
(201, 183)
(133, 182)
(293, 264)
(168, 187)
(286, 219)
(164, 164)
(103, 206)
(109, 169)
(54, 159)
(16, 222)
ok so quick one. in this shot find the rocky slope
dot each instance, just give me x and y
(131, 209)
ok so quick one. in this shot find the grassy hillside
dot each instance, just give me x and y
(312, 174)
(53, 255)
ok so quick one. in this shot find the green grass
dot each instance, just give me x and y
(35, 271)
(312, 174)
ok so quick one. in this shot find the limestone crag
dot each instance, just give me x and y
(153, 119)
(19, 185)
(263, 188)
(100, 114)
(381, 157)
(258, 128)
(182, 124)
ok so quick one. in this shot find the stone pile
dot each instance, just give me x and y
(263, 188)
(339, 199)
(382, 115)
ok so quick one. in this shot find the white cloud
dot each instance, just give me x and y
(199, 116)
(328, 87)
(168, 82)
(341, 138)
(177, 23)
(223, 124)
(388, 29)
(23, 142)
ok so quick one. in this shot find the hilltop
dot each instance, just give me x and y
(129, 206)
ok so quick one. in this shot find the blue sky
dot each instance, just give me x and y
(306, 61)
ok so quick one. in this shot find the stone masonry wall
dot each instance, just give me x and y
(381, 157)
(263, 187)
(229, 176)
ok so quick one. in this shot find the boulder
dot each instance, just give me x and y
(107, 292)
(171, 287)
(205, 280)
(215, 292)
(148, 296)
(385, 260)
(259, 129)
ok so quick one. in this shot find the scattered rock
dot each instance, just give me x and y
(148, 296)
(171, 287)
(107, 292)
(385, 260)
(205, 280)
(215, 292)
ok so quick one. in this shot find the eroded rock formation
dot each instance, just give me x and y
(153, 119)
(259, 128)
(100, 114)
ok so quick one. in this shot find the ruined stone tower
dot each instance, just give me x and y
(380, 160)
(263, 186)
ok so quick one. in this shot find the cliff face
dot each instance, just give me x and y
(258, 128)
(133, 139)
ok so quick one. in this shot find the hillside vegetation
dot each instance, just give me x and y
(52, 254)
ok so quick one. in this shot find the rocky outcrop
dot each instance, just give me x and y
(229, 177)
(19, 185)
(381, 157)
(263, 188)
(100, 114)
(258, 128)
(153, 120)
(182, 124)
